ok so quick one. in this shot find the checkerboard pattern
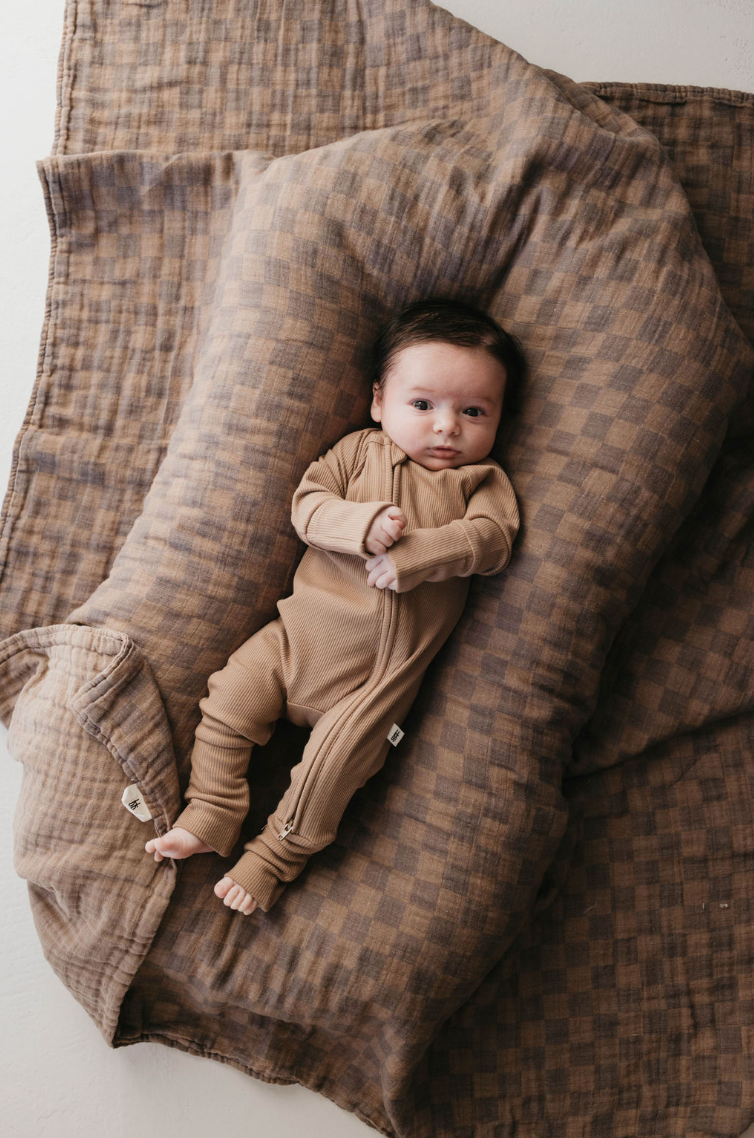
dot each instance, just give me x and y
(534, 918)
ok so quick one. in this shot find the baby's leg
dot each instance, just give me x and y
(245, 699)
(176, 843)
(235, 896)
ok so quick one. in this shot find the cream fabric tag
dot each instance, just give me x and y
(395, 734)
(133, 801)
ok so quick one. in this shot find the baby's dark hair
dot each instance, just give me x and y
(452, 322)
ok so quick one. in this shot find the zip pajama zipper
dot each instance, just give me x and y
(380, 669)
(309, 776)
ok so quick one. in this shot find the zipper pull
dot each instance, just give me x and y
(285, 830)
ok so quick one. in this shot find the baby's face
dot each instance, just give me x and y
(438, 395)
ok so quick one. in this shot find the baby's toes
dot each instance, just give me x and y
(223, 887)
(231, 893)
(151, 847)
(236, 897)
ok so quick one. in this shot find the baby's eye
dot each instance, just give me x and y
(415, 401)
(478, 411)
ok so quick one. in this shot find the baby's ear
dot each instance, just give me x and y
(376, 408)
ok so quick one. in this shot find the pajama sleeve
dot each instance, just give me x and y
(480, 542)
(320, 513)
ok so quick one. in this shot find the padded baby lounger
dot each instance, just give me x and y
(485, 946)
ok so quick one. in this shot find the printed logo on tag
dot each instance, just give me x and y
(133, 801)
(395, 734)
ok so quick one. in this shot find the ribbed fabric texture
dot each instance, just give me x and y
(344, 657)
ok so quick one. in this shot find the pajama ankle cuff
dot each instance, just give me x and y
(252, 875)
(211, 824)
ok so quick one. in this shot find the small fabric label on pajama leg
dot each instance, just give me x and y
(395, 734)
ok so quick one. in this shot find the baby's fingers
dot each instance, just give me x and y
(389, 531)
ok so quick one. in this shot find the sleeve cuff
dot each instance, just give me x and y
(343, 526)
(430, 554)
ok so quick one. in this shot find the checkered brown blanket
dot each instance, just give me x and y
(535, 919)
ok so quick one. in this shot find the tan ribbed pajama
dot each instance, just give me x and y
(342, 657)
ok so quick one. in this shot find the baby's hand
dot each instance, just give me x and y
(386, 529)
(382, 572)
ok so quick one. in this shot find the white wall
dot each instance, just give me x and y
(58, 1078)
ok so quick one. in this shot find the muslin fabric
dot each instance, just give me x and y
(534, 919)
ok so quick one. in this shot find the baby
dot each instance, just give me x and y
(396, 518)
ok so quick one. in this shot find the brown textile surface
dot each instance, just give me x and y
(235, 202)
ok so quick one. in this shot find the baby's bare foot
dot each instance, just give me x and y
(176, 843)
(235, 896)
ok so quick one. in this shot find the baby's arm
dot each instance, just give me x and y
(480, 542)
(320, 514)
